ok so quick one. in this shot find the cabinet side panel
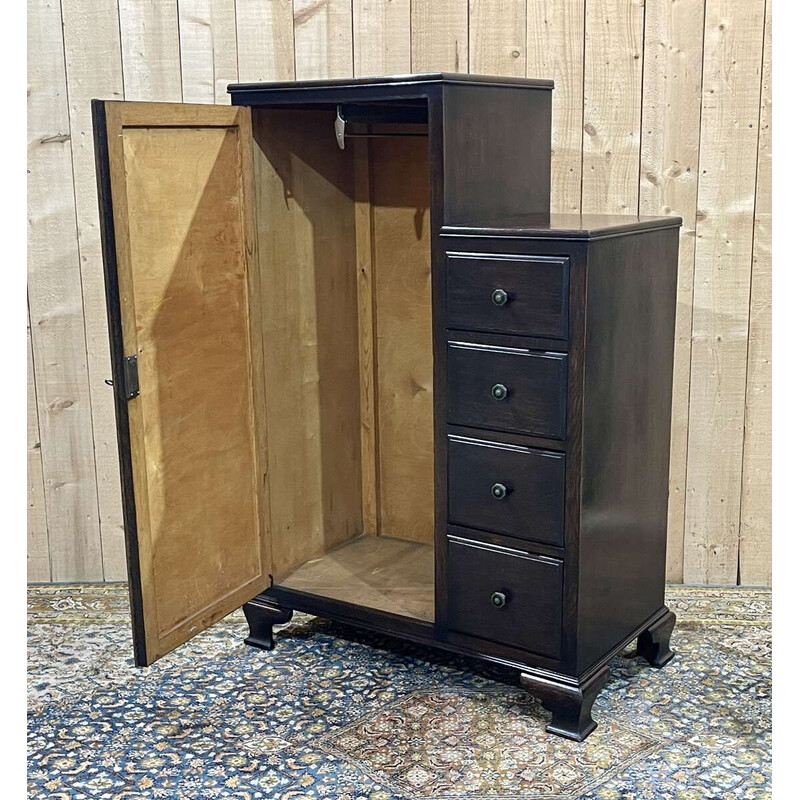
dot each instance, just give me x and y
(403, 336)
(307, 261)
(496, 152)
(630, 323)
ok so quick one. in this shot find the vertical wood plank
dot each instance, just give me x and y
(265, 40)
(381, 37)
(208, 49)
(56, 310)
(184, 50)
(673, 66)
(728, 153)
(612, 106)
(401, 249)
(755, 537)
(94, 71)
(497, 37)
(150, 50)
(555, 50)
(38, 546)
(323, 36)
(439, 35)
(365, 271)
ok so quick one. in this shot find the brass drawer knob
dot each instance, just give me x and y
(499, 297)
(499, 491)
(499, 392)
(499, 599)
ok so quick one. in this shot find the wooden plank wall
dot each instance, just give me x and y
(661, 106)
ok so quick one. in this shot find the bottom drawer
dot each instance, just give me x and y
(506, 596)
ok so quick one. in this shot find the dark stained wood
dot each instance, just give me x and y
(630, 321)
(523, 440)
(261, 614)
(504, 540)
(518, 125)
(559, 227)
(410, 629)
(425, 633)
(237, 89)
(530, 504)
(653, 642)
(570, 703)
(535, 381)
(507, 596)
(572, 511)
(436, 158)
(496, 152)
(524, 295)
(501, 340)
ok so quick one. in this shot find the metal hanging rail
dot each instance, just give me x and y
(340, 129)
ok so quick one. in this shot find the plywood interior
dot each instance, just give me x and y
(394, 575)
(184, 235)
(400, 203)
(344, 261)
(306, 255)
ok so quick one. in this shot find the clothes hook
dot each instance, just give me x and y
(338, 127)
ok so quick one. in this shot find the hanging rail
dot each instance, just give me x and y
(340, 129)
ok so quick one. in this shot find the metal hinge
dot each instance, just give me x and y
(130, 373)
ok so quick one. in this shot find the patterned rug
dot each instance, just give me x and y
(339, 714)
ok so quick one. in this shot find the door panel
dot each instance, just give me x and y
(175, 189)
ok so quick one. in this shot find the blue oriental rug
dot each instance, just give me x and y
(337, 714)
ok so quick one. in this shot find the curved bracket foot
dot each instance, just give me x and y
(570, 703)
(653, 642)
(261, 614)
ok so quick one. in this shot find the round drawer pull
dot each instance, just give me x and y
(499, 392)
(499, 491)
(498, 599)
(499, 297)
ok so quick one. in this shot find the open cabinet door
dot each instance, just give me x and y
(175, 192)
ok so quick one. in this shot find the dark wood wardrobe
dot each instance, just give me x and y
(362, 372)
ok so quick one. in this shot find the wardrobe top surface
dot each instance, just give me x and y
(394, 80)
(562, 226)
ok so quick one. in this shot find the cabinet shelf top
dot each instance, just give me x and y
(390, 82)
(562, 226)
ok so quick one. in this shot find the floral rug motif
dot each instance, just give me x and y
(334, 713)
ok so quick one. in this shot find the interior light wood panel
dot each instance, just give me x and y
(366, 333)
(183, 226)
(306, 230)
(374, 571)
(403, 334)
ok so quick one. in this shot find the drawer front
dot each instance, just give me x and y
(507, 388)
(503, 488)
(524, 295)
(505, 596)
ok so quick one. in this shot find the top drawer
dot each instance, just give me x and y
(518, 294)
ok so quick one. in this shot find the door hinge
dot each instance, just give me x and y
(130, 373)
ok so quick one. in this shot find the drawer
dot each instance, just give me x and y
(506, 596)
(506, 488)
(507, 388)
(525, 295)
